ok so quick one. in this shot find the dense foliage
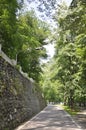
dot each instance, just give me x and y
(69, 64)
(8, 25)
(32, 33)
(22, 36)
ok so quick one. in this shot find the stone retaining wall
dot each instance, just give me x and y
(19, 98)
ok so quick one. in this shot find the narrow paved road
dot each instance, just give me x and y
(51, 118)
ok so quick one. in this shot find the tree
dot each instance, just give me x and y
(49, 86)
(32, 33)
(22, 37)
(8, 26)
(71, 53)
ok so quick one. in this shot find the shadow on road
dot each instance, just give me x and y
(51, 118)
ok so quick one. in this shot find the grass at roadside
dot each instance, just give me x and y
(70, 111)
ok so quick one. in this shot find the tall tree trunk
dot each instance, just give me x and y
(71, 99)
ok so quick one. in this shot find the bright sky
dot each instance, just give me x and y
(50, 50)
(68, 2)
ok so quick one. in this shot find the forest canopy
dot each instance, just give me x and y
(22, 36)
(66, 73)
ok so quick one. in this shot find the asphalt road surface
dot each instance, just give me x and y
(51, 118)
